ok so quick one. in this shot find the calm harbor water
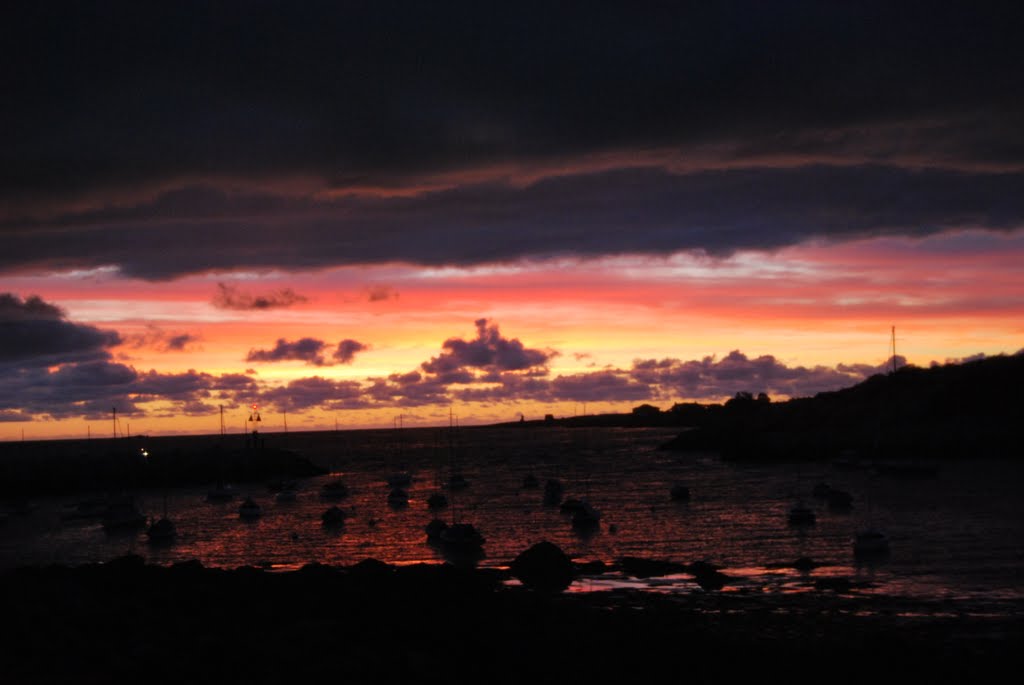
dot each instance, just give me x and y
(956, 538)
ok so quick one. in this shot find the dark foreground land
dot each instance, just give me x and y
(124, 621)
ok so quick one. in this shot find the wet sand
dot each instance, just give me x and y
(371, 622)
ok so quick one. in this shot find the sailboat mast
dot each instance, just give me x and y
(894, 349)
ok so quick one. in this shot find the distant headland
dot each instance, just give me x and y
(944, 412)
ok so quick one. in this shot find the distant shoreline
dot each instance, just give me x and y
(590, 420)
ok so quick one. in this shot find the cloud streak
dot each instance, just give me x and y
(156, 338)
(231, 297)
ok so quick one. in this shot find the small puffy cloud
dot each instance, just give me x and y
(177, 343)
(231, 297)
(309, 350)
(489, 351)
(347, 350)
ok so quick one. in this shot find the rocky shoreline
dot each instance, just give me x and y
(373, 622)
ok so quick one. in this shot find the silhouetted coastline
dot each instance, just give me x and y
(955, 411)
(945, 412)
(73, 466)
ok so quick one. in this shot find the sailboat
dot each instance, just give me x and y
(456, 481)
(585, 517)
(401, 479)
(335, 488)
(334, 516)
(801, 515)
(122, 513)
(460, 542)
(163, 529)
(870, 541)
(249, 509)
(904, 467)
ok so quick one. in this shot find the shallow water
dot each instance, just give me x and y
(956, 538)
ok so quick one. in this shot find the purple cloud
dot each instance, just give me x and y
(34, 332)
(347, 350)
(315, 391)
(309, 350)
(489, 351)
(712, 379)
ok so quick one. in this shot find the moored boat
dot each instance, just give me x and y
(870, 542)
(249, 509)
(398, 497)
(122, 513)
(801, 515)
(162, 530)
(334, 516)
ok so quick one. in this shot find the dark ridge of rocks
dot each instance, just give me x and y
(639, 567)
(102, 623)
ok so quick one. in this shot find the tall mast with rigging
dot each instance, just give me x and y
(894, 349)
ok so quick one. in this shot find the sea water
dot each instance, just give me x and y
(956, 537)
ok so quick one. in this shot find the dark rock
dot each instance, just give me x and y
(680, 493)
(707, 575)
(840, 585)
(371, 569)
(543, 567)
(805, 564)
(591, 568)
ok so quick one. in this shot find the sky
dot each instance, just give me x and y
(362, 214)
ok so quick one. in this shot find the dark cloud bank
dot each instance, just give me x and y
(464, 133)
(55, 368)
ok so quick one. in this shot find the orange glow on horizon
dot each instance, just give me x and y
(806, 306)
